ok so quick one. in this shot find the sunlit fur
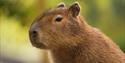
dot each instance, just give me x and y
(74, 41)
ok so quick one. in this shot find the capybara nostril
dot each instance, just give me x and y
(34, 33)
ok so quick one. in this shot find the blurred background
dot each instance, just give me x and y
(16, 17)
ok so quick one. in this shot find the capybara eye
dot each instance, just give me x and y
(58, 18)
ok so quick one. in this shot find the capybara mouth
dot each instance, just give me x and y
(34, 39)
(35, 42)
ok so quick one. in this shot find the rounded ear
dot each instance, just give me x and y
(74, 9)
(61, 4)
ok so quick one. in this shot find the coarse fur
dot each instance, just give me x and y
(72, 40)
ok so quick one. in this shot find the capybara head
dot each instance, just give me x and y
(56, 27)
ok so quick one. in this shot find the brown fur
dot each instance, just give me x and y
(72, 40)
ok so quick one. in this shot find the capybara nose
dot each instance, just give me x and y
(33, 33)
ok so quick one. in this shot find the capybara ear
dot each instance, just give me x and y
(74, 9)
(61, 4)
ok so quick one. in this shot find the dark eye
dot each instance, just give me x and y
(58, 18)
